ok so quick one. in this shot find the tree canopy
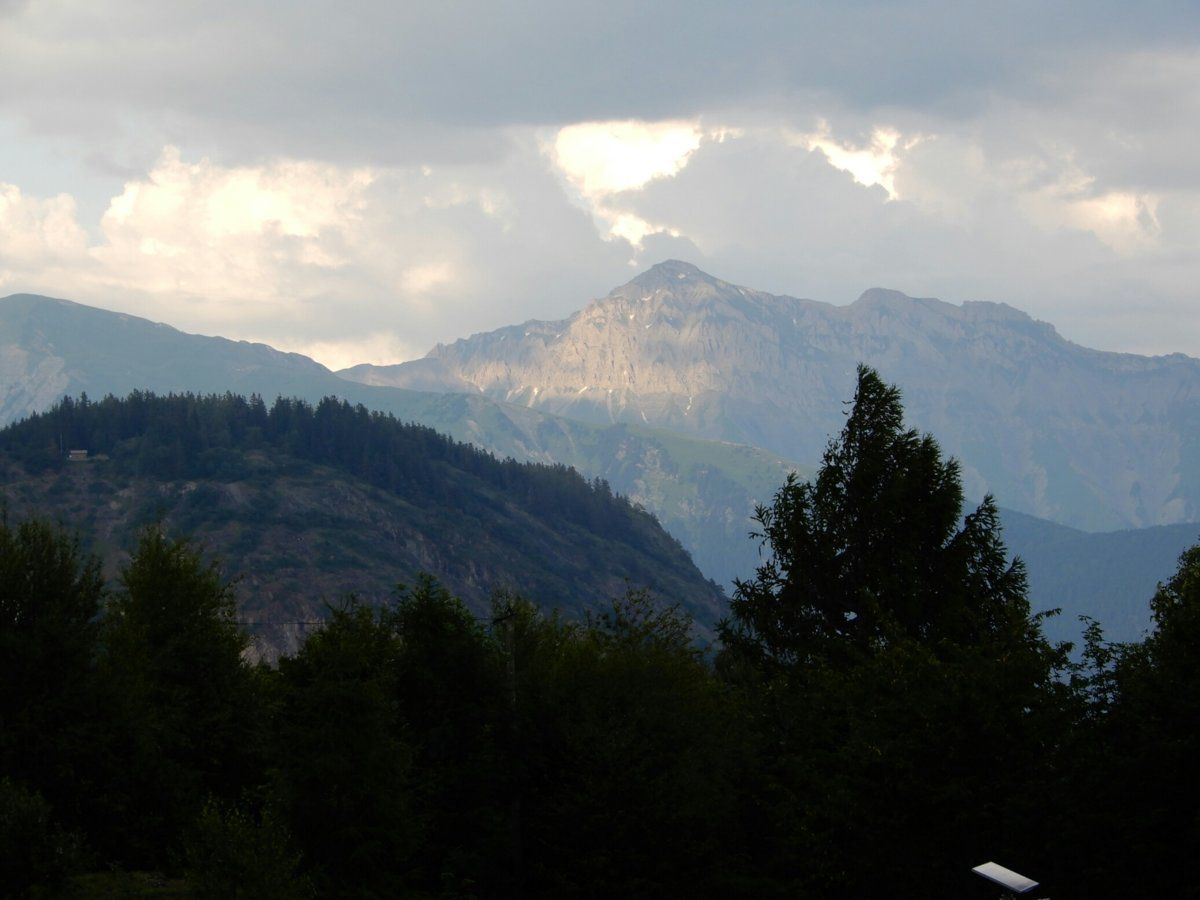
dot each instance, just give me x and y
(874, 551)
(883, 715)
(889, 646)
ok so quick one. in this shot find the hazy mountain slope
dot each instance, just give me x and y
(1109, 576)
(702, 491)
(1093, 439)
(306, 505)
(49, 348)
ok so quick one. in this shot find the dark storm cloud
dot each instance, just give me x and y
(412, 79)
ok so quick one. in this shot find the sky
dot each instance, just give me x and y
(359, 181)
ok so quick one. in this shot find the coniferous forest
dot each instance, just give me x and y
(304, 504)
(880, 712)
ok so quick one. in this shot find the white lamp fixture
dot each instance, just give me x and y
(1007, 878)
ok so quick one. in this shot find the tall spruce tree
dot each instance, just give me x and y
(874, 551)
(50, 734)
(905, 690)
(342, 769)
(50, 597)
(186, 700)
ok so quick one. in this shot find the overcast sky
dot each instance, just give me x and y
(358, 181)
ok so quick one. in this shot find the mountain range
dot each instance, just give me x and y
(655, 387)
(1091, 439)
(702, 491)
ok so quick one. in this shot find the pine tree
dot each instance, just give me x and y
(50, 735)
(341, 765)
(185, 699)
(871, 552)
(903, 686)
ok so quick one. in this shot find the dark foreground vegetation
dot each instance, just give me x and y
(883, 713)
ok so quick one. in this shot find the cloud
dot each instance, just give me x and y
(249, 233)
(600, 158)
(39, 236)
(599, 161)
(385, 82)
(874, 162)
(34, 230)
(317, 257)
(378, 349)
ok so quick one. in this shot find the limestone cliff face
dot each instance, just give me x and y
(1094, 439)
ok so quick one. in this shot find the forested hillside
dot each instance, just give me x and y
(305, 504)
(1108, 576)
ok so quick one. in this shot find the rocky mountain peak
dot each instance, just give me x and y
(669, 272)
(876, 297)
(673, 282)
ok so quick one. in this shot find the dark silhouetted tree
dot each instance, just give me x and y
(50, 735)
(341, 767)
(186, 701)
(628, 746)
(1130, 814)
(904, 688)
